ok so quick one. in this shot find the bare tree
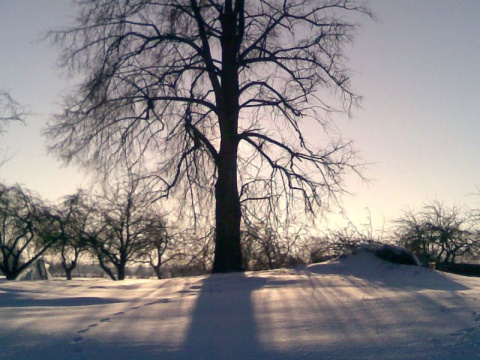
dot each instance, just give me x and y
(190, 251)
(129, 222)
(71, 220)
(269, 242)
(25, 230)
(156, 253)
(212, 96)
(436, 233)
(79, 223)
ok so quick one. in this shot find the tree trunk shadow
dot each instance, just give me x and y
(223, 324)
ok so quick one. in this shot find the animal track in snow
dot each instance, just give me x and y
(476, 316)
(160, 301)
(77, 339)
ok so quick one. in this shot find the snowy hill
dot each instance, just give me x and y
(358, 307)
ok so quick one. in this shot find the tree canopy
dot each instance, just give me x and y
(212, 97)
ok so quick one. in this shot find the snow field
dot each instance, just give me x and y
(358, 307)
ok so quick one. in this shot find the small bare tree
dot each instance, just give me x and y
(25, 230)
(71, 221)
(436, 233)
(213, 96)
(270, 244)
(158, 252)
(130, 222)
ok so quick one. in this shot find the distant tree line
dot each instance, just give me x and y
(435, 234)
(119, 227)
(123, 231)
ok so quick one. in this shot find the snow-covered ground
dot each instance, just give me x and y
(359, 307)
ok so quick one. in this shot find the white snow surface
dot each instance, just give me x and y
(358, 307)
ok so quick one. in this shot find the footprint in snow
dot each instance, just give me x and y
(160, 301)
(107, 319)
(77, 339)
(476, 316)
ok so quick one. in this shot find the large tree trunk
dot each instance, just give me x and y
(228, 253)
(11, 267)
(11, 275)
(121, 271)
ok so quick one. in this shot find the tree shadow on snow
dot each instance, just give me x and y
(223, 322)
(14, 298)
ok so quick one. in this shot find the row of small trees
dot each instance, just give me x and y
(122, 225)
(435, 233)
(116, 228)
(125, 226)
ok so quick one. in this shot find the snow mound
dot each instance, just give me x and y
(366, 264)
(391, 253)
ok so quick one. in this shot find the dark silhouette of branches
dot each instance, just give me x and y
(131, 223)
(71, 220)
(437, 233)
(10, 110)
(211, 97)
(25, 229)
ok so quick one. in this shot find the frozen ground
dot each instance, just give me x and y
(359, 307)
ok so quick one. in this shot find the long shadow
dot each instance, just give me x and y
(16, 300)
(223, 322)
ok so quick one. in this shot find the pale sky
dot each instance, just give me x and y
(418, 69)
